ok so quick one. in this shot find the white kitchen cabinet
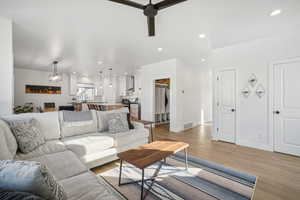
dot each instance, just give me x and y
(73, 84)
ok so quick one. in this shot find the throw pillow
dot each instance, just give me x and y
(27, 133)
(117, 122)
(30, 177)
(14, 195)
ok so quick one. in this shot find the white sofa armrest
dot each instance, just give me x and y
(137, 125)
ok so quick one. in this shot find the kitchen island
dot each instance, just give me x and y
(82, 106)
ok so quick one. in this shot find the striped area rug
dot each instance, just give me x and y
(203, 180)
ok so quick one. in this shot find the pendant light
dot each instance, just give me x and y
(101, 80)
(110, 77)
(55, 76)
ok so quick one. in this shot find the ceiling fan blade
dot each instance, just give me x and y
(151, 26)
(167, 3)
(129, 3)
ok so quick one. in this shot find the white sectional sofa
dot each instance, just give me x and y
(72, 148)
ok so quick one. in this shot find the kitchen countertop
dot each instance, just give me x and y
(99, 103)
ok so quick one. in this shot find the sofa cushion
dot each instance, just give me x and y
(27, 133)
(117, 122)
(125, 138)
(52, 146)
(91, 159)
(132, 145)
(103, 118)
(74, 128)
(31, 177)
(5, 154)
(62, 164)
(71, 116)
(89, 143)
(88, 186)
(49, 123)
(10, 138)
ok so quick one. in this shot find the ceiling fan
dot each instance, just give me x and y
(150, 10)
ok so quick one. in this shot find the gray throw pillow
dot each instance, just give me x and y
(14, 195)
(27, 133)
(30, 177)
(117, 122)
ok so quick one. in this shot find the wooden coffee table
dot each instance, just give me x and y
(148, 154)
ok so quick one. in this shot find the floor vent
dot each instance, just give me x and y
(188, 125)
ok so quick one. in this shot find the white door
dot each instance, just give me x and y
(226, 105)
(286, 107)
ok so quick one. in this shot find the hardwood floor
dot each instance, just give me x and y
(278, 174)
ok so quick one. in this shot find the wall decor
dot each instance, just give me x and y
(252, 80)
(39, 89)
(246, 92)
(260, 91)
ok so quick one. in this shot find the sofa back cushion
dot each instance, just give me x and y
(8, 139)
(103, 118)
(27, 132)
(5, 154)
(49, 123)
(77, 123)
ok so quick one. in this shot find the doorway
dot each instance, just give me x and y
(162, 102)
(285, 120)
(226, 105)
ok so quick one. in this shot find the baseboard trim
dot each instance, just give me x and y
(265, 147)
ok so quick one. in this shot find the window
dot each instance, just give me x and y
(86, 92)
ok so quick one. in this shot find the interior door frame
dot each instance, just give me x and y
(217, 113)
(172, 121)
(272, 96)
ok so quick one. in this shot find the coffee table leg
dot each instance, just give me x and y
(186, 159)
(120, 172)
(142, 189)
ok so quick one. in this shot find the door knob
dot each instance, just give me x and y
(277, 112)
(232, 110)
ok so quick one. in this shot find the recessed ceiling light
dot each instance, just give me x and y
(100, 62)
(74, 72)
(275, 12)
(159, 49)
(202, 36)
(203, 60)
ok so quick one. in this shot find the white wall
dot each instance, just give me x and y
(255, 57)
(6, 67)
(31, 77)
(185, 92)
(206, 94)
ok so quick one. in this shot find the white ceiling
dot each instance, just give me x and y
(82, 32)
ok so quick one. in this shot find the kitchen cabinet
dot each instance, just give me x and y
(73, 85)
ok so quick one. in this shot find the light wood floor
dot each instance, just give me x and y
(278, 174)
